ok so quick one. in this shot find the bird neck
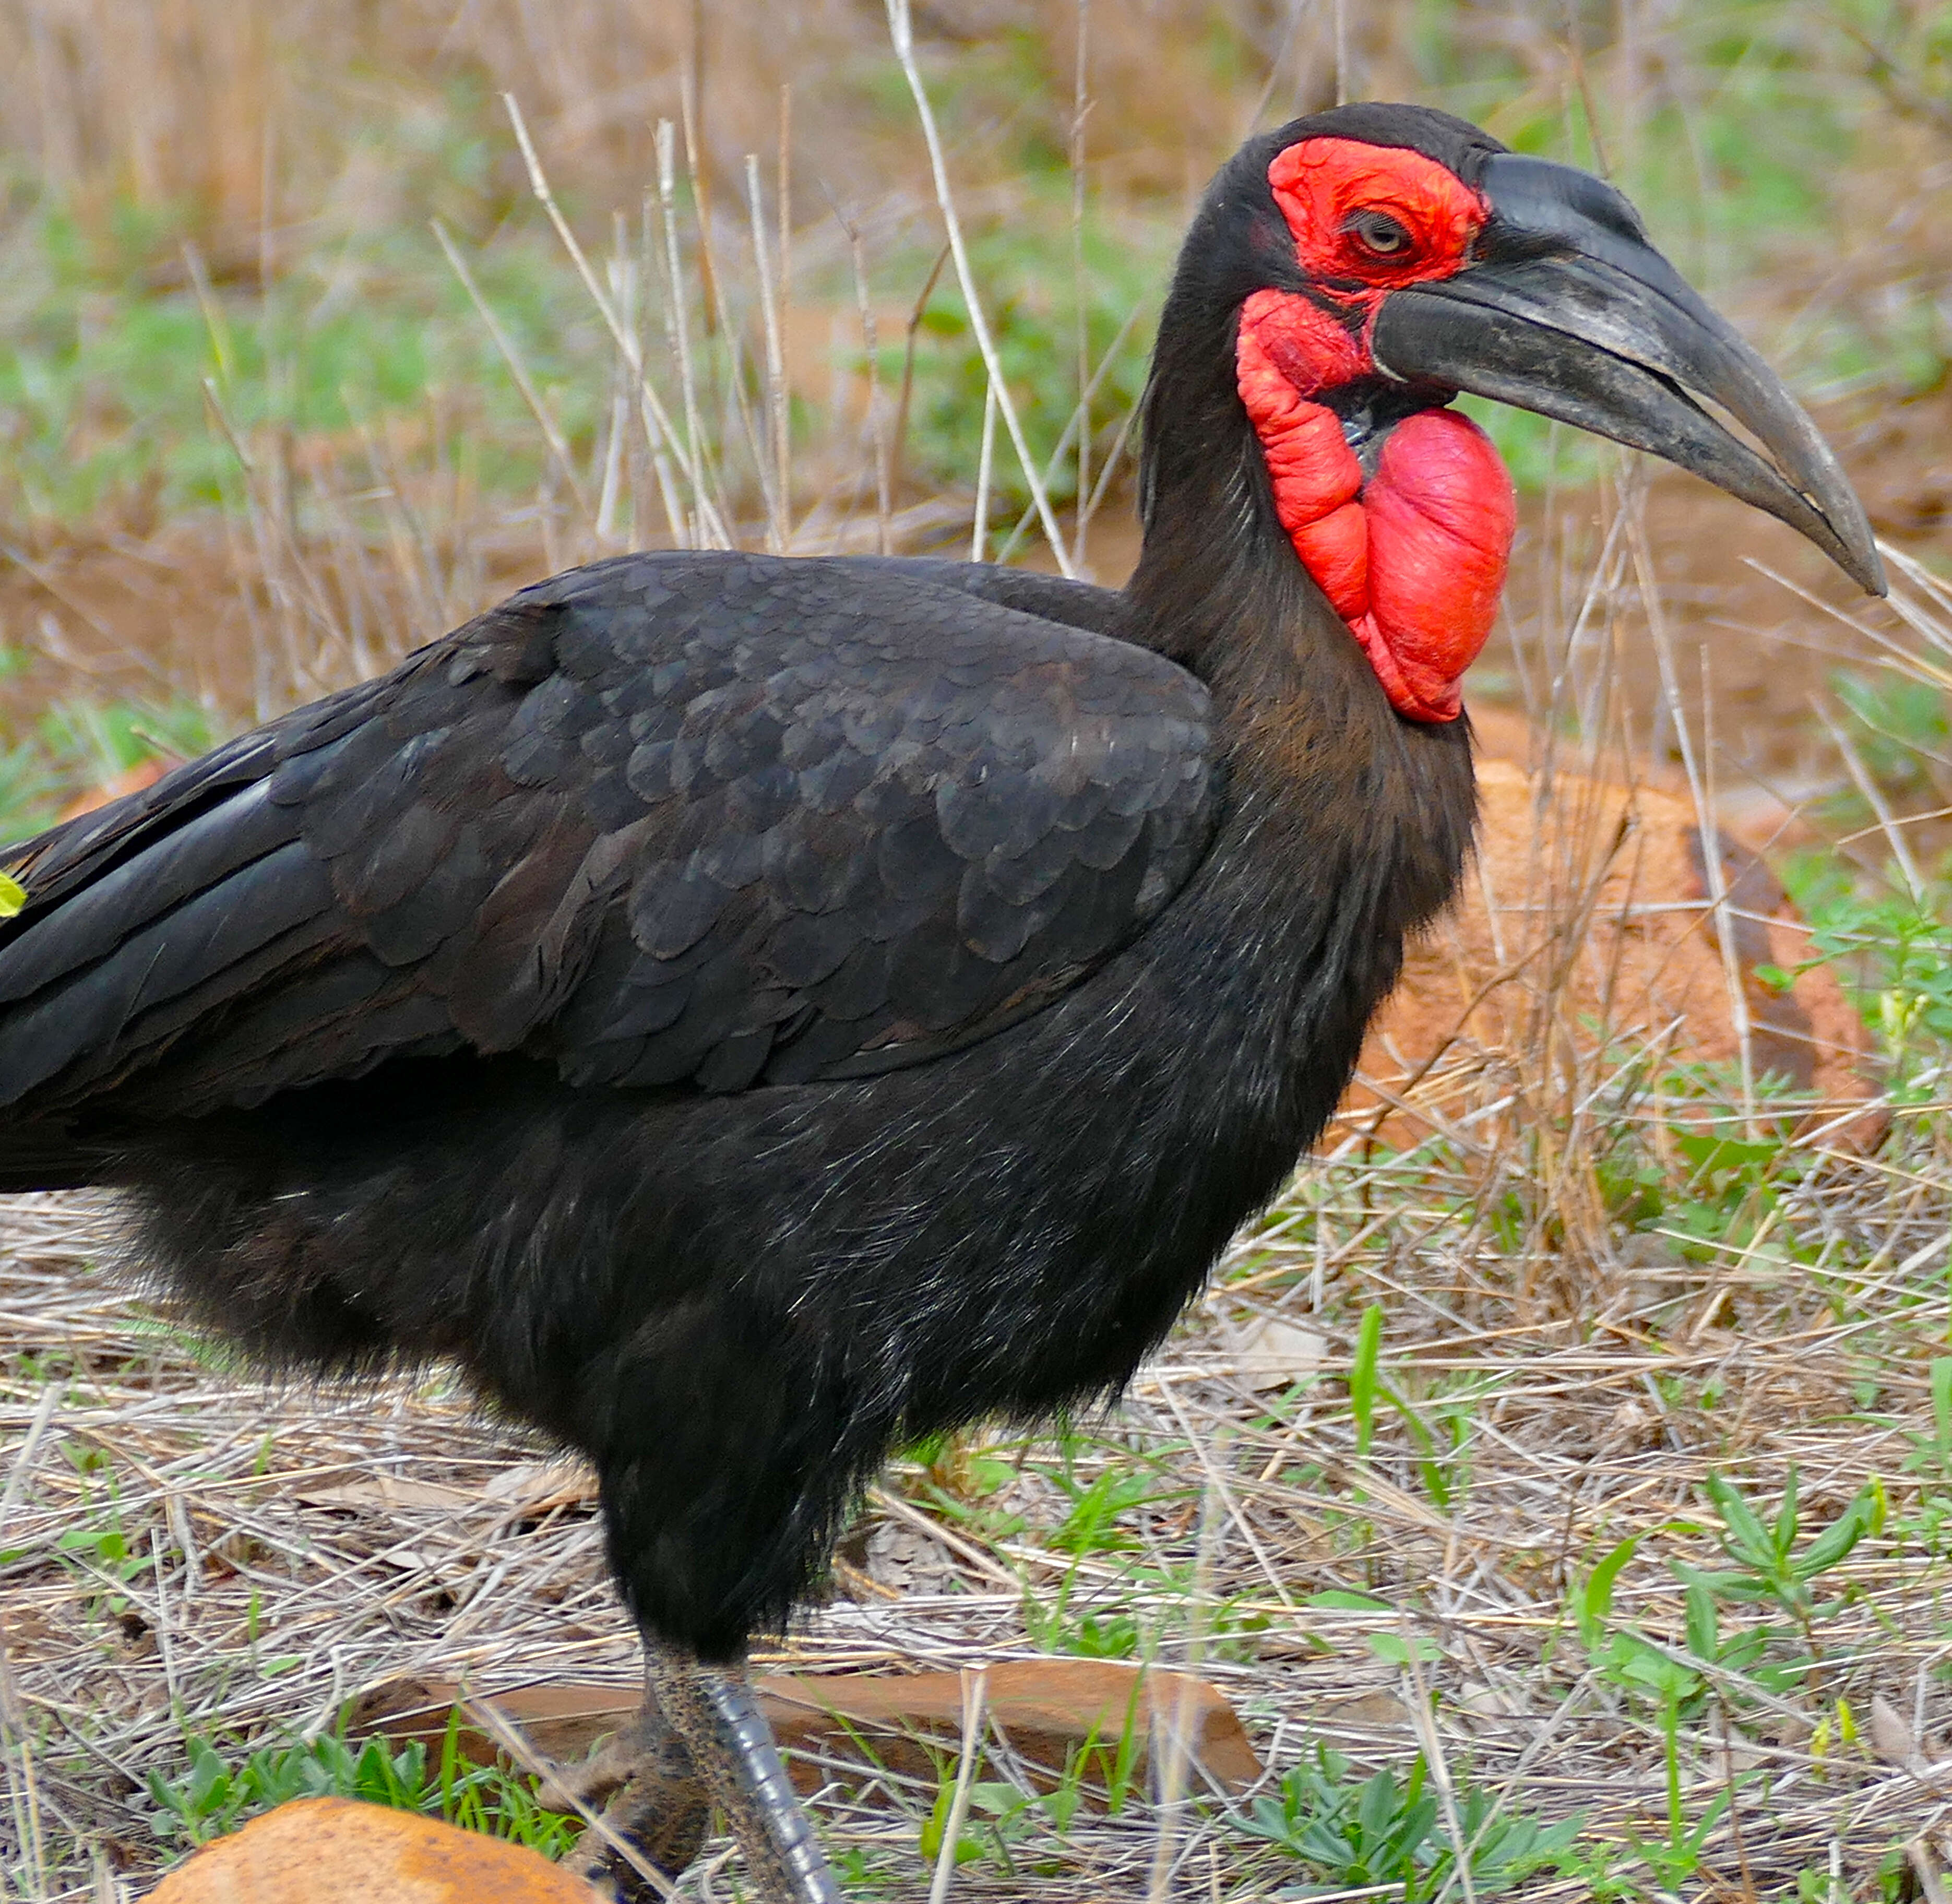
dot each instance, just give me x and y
(1219, 587)
(1346, 824)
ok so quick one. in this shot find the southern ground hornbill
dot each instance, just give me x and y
(748, 1010)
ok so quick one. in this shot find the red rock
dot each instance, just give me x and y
(316, 1849)
(1587, 917)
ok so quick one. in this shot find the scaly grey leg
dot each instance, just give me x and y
(713, 1710)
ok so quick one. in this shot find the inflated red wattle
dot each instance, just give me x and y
(1315, 474)
(1440, 512)
(1413, 561)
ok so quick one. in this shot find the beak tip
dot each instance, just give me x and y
(1858, 557)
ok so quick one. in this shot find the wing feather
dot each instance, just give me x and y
(708, 821)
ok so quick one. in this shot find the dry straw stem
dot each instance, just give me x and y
(975, 1692)
(519, 1752)
(1704, 807)
(518, 370)
(776, 471)
(902, 34)
(657, 422)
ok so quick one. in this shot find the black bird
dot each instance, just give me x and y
(747, 1011)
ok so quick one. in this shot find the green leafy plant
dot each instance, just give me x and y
(1934, 1456)
(215, 1794)
(1627, 1658)
(1378, 1832)
(1773, 1563)
(1364, 1382)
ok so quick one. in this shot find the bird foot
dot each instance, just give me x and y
(651, 1798)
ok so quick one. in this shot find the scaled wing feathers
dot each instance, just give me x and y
(679, 821)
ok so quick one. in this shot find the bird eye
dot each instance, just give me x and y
(1378, 234)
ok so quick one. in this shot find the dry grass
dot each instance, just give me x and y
(285, 1548)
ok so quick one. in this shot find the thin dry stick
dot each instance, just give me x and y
(1218, 1484)
(553, 435)
(1109, 467)
(773, 480)
(165, 1640)
(784, 189)
(271, 533)
(1904, 659)
(1924, 1867)
(691, 96)
(877, 423)
(734, 387)
(1296, 10)
(1734, 1812)
(51, 581)
(1081, 105)
(902, 34)
(1711, 848)
(1071, 423)
(677, 328)
(24, 1794)
(23, 1468)
(488, 1718)
(652, 404)
(621, 270)
(1438, 1764)
(980, 530)
(901, 430)
(1916, 573)
(898, 1509)
(1704, 816)
(1172, 1768)
(1576, 59)
(1874, 797)
(975, 1694)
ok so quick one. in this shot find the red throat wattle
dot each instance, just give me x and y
(1413, 559)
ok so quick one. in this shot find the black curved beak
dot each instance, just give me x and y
(1568, 311)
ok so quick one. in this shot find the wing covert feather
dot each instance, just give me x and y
(685, 820)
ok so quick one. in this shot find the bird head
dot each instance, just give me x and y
(1359, 269)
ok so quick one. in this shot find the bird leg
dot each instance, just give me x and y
(713, 1711)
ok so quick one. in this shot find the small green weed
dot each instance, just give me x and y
(216, 1794)
(1773, 1564)
(1012, 1826)
(1378, 1832)
(1776, 1563)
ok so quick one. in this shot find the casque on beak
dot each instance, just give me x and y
(1568, 311)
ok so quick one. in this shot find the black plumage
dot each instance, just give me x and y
(747, 1011)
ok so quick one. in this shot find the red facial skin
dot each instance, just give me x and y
(1413, 561)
